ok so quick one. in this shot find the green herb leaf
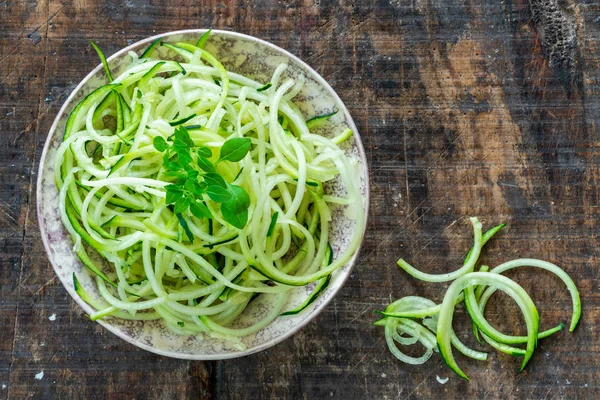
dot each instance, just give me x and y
(204, 152)
(169, 165)
(239, 220)
(180, 175)
(160, 144)
(185, 227)
(187, 193)
(181, 204)
(184, 158)
(193, 186)
(180, 324)
(174, 193)
(235, 210)
(205, 164)
(200, 210)
(239, 196)
(234, 149)
(193, 174)
(214, 179)
(173, 189)
(180, 147)
(218, 194)
(182, 134)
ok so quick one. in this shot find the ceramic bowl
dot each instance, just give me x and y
(257, 59)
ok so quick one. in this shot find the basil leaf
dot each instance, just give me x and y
(235, 210)
(232, 216)
(204, 152)
(176, 174)
(218, 194)
(239, 197)
(200, 210)
(170, 165)
(184, 159)
(234, 149)
(205, 165)
(180, 147)
(173, 188)
(160, 144)
(181, 205)
(214, 179)
(192, 174)
(172, 197)
(193, 186)
(182, 134)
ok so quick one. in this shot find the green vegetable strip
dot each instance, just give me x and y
(478, 293)
(508, 339)
(486, 237)
(531, 262)
(415, 330)
(318, 120)
(417, 313)
(466, 268)
(414, 303)
(203, 39)
(319, 288)
(103, 59)
(485, 278)
(395, 328)
(485, 296)
(475, 289)
(148, 52)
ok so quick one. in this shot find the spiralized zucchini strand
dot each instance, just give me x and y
(475, 289)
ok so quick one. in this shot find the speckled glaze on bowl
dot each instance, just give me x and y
(257, 59)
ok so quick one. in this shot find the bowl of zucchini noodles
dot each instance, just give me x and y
(203, 194)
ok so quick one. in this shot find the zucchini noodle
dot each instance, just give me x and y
(197, 269)
(474, 289)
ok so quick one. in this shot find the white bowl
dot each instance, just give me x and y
(257, 59)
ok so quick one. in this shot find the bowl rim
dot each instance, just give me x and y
(115, 330)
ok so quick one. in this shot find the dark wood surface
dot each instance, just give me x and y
(465, 107)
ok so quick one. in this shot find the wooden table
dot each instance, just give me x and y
(486, 108)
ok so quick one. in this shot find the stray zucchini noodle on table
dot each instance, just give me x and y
(435, 332)
(202, 188)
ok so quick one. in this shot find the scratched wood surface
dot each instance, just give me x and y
(468, 107)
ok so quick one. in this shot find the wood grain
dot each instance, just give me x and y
(465, 108)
